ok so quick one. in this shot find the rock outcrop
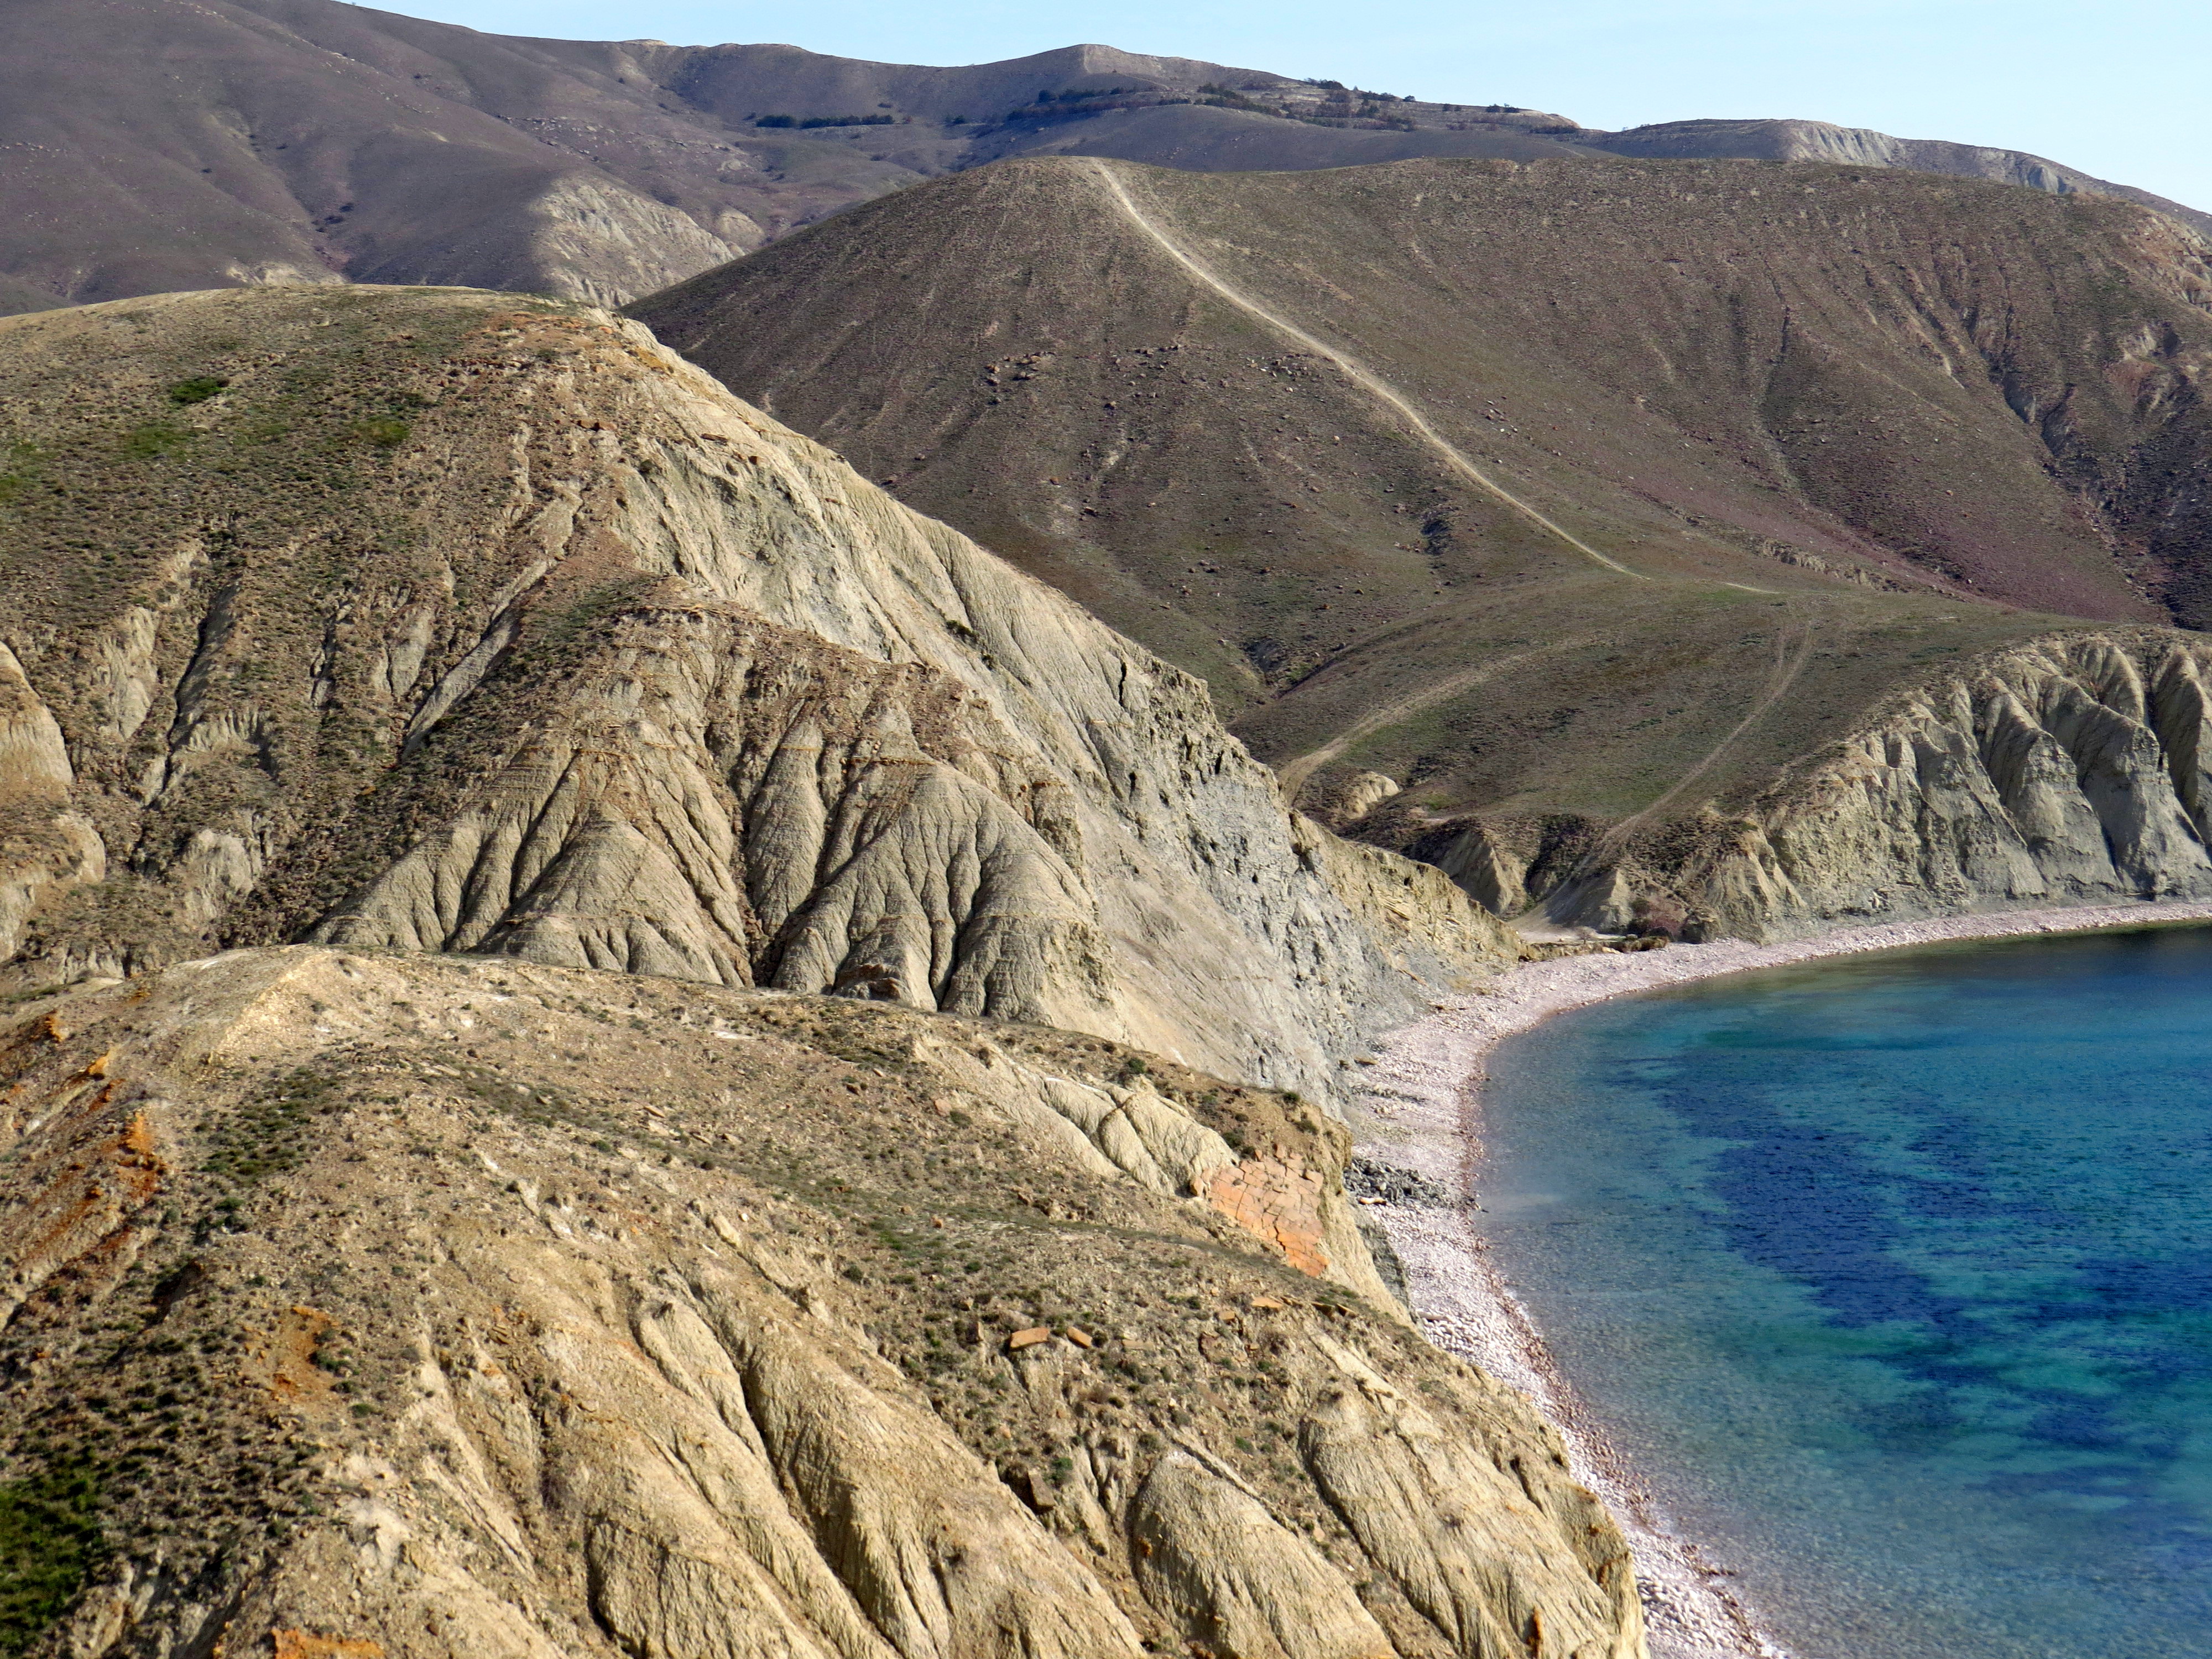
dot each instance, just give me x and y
(516, 634)
(2069, 769)
(378, 1306)
(1824, 141)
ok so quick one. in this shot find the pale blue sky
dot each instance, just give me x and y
(2122, 89)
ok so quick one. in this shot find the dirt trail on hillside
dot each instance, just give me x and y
(1295, 773)
(1788, 665)
(1354, 369)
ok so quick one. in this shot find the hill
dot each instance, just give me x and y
(696, 1190)
(156, 145)
(168, 144)
(431, 1306)
(442, 621)
(1584, 498)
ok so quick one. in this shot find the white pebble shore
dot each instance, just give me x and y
(1419, 1106)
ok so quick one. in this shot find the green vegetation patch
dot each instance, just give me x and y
(50, 1541)
(581, 619)
(268, 1135)
(385, 431)
(197, 390)
(18, 462)
(153, 439)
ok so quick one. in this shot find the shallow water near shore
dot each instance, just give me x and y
(1891, 1277)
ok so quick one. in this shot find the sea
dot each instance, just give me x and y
(1891, 1278)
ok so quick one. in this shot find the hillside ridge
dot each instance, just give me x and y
(1216, 422)
(281, 141)
(520, 634)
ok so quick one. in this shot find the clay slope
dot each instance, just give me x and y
(419, 1307)
(441, 621)
(1605, 493)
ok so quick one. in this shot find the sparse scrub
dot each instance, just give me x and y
(49, 1542)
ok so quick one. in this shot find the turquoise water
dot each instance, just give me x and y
(1893, 1278)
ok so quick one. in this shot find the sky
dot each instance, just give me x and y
(2121, 88)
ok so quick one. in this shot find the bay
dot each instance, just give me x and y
(1892, 1277)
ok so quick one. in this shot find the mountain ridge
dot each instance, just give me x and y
(255, 141)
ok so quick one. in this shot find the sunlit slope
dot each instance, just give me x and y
(439, 620)
(1366, 440)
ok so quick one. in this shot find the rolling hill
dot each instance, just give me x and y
(1585, 499)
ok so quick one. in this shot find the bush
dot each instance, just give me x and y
(386, 432)
(196, 391)
(50, 1541)
(156, 438)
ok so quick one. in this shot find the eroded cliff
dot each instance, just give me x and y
(2066, 770)
(444, 621)
(373, 1305)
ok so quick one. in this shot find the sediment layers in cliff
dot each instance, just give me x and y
(2066, 770)
(449, 622)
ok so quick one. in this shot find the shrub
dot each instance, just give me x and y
(197, 390)
(50, 1541)
(385, 431)
(154, 438)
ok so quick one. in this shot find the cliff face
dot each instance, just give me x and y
(2063, 771)
(373, 1307)
(445, 621)
(2070, 769)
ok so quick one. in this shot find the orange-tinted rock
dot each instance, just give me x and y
(1278, 1201)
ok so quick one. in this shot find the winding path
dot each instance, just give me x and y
(1295, 772)
(1365, 378)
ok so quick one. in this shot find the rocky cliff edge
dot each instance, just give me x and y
(378, 1305)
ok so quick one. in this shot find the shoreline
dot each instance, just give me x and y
(1418, 1107)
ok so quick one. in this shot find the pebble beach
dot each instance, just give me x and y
(1418, 1107)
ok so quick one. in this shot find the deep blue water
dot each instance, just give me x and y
(1893, 1276)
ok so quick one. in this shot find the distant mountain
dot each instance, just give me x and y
(156, 145)
(1819, 141)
